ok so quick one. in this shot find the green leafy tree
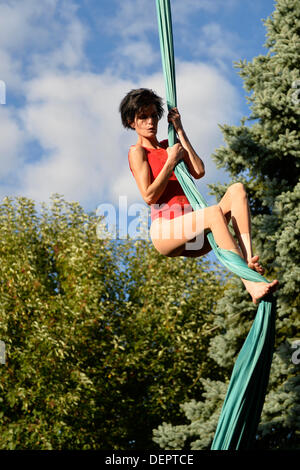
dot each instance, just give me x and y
(102, 338)
(263, 152)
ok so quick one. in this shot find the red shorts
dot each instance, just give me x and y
(169, 212)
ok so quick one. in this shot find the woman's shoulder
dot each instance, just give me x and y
(134, 149)
(138, 148)
(136, 153)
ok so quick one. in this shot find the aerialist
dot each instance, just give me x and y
(175, 225)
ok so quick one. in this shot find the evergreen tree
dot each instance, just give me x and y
(263, 153)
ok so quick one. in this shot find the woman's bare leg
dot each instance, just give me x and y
(170, 236)
(235, 206)
(197, 222)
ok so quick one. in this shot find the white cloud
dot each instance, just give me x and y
(16, 22)
(10, 72)
(136, 55)
(37, 35)
(181, 10)
(207, 99)
(36, 39)
(66, 51)
(75, 120)
(32, 23)
(217, 44)
(133, 19)
(132, 23)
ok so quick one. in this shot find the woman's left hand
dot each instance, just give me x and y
(175, 118)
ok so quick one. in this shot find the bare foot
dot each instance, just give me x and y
(257, 290)
(253, 264)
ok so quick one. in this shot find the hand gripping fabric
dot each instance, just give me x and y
(245, 396)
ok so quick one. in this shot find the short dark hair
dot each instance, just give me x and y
(135, 101)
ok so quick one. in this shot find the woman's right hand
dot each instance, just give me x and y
(175, 154)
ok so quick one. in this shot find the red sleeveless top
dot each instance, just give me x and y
(173, 202)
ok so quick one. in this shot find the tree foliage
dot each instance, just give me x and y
(103, 339)
(263, 153)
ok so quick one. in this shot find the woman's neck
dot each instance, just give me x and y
(148, 143)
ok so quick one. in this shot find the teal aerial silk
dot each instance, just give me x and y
(240, 414)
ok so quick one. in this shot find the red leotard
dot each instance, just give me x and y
(173, 202)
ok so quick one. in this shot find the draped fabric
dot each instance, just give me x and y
(245, 396)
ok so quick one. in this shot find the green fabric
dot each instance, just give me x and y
(243, 404)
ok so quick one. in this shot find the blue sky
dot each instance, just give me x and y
(68, 63)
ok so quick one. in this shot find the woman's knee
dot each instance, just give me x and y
(216, 211)
(213, 215)
(237, 188)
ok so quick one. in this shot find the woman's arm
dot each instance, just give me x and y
(151, 192)
(193, 161)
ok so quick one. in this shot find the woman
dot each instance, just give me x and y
(174, 223)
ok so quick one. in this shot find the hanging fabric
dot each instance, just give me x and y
(245, 396)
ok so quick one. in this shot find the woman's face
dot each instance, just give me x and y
(146, 121)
